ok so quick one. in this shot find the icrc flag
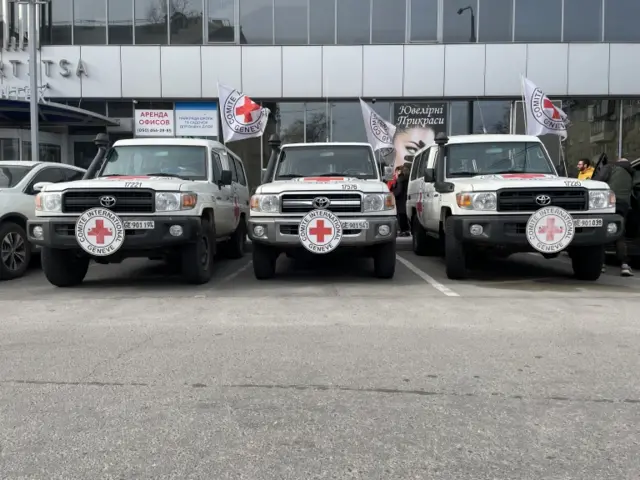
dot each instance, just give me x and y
(542, 115)
(379, 132)
(242, 118)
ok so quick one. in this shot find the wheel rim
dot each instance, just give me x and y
(204, 257)
(13, 251)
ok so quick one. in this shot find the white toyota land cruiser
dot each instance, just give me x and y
(322, 197)
(161, 198)
(476, 195)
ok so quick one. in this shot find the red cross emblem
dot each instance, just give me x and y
(100, 232)
(550, 229)
(320, 231)
(236, 208)
(548, 105)
(247, 109)
(419, 203)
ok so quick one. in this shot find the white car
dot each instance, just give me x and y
(476, 195)
(17, 193)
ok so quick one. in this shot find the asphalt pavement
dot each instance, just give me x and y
(519, 372)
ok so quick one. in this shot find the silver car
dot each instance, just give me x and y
(17, 194)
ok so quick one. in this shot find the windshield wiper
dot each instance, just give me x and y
(335, 174)
(463, 174)
(290, 175)
(175, 175)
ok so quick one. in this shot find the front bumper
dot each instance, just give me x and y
(59, 232)
(284, 231)
(509, 231)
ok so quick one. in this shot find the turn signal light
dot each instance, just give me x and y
(389, 201)
(189, 200)
(38, 202)
(255, 202)
(612, 198)
(464, 200)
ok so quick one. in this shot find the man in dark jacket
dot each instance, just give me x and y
(400, 193)
(619, 176)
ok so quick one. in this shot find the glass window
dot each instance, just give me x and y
(469, 159)
(120, 22)
(217, 166)
(495, 21)
(120, 109)
(170, 160)
(185, 22)
(460, 115)
(151, 22)
(90, 23)
(621, 21)
(242, 178)
(631, 129)
(582, 20)
(291, 22)
(10, 176)
(290, 122)
(9, 149)
(256, 22)
(233, 168)
(354, 18)
(57, 23)
(308, 161)
(459, 21)
(539, 21)
(47, 152)
(322, 22)
(388, 21)
(491, 116)
(72, 175)
(424, 21)
(51, 174)
(316, 126)
(84, 153)
(221, 21)
(347, 124)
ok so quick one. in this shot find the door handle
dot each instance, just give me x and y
(436, 194)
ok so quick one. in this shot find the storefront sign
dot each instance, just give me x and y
(154, 123)
(197, 120)
(8, 92)
(63, 67)
(421, 115)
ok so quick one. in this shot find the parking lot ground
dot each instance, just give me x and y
(322, 372)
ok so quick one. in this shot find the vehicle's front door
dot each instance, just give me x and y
(432, 198)
(224, 200)
(413, 192)
(242, 188)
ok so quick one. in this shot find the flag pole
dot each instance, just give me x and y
(524, 106)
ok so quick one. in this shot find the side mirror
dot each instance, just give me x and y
(388, 173)
(429, 175)
(226, 177)
(38, 186)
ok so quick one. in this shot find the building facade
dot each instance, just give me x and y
(454, 65)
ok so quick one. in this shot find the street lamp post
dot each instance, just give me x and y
(473, 22)
(33, 75)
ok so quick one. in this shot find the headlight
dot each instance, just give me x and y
(477, 200)
(265, 203)
(599, 199)
(49, 202)
(378, 202)
(174, 201)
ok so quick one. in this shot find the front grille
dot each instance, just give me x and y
(524, 199)
(293, 230)
(521, 229)
(303, 202)
(127, 201)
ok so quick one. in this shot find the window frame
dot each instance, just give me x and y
(240, 170)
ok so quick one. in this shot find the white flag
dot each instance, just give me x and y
(542, 115)
(242, 118)
(379, 132)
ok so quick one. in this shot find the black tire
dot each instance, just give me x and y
(64, 268)
(384, 260)
(197, 257)
(455, 258)
(587, 262)
(264, 261)
(234, 248)
(423, 245)
(15, 251)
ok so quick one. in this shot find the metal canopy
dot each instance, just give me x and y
(15, 113)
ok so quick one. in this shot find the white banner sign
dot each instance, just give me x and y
(197, 119)
(154, 123)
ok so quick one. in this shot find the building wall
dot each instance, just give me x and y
(335, 71)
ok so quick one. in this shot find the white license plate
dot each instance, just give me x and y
(356, 225)
(587, 222)
(139, 225)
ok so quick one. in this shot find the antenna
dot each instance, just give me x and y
(484, 128)
(327, 111)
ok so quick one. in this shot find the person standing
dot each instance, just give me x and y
(400, 190)
(619, 176)
(585, 170)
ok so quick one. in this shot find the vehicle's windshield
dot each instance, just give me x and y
(10, 176)
(330, 160)
(188, 162)
(470, 159)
